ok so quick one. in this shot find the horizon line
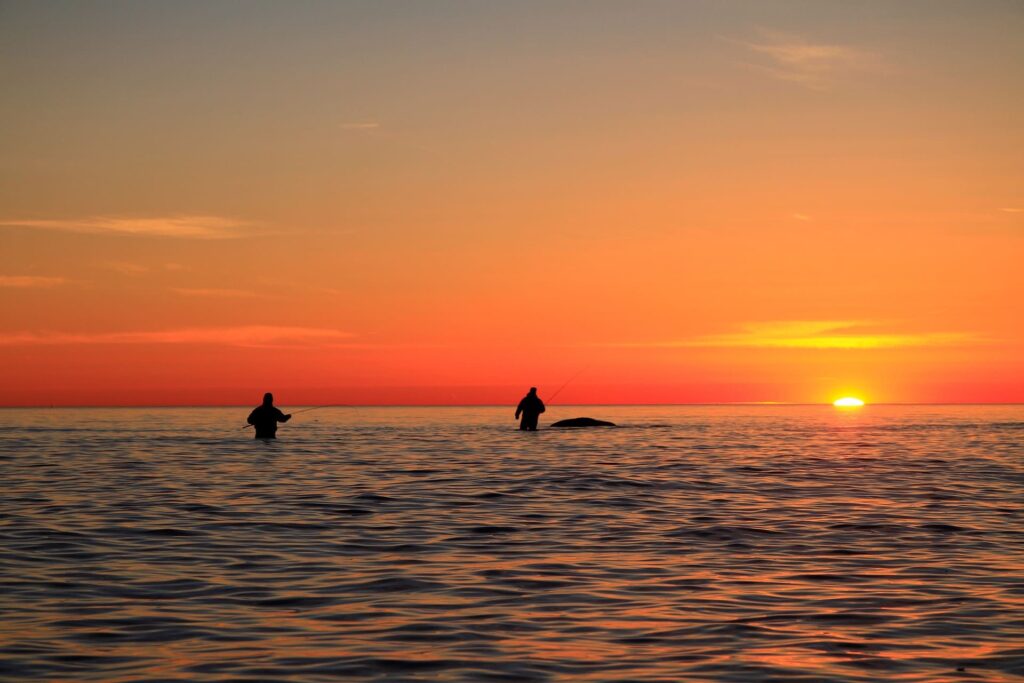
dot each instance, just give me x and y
(764, 404)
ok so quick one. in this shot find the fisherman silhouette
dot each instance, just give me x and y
(265, 418)
(531, 407)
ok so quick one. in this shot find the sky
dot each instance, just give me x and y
(448, 202)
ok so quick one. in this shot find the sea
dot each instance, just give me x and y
(689, 543)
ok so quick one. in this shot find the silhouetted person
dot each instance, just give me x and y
(530, 407)
(265, 418)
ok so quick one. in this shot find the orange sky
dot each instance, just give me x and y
(450, 202)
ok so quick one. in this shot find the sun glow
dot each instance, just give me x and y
(848, 402)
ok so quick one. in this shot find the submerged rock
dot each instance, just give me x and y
(582, 422)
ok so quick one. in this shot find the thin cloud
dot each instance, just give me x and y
(360, 125)
(126, 268)
(215, 293)
(245, 336)
(818, 334)
(810, 64)
(1012, 210)
(186, 227)
(801, 217)
(30, 281)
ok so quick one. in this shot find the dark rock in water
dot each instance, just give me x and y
(582, 422)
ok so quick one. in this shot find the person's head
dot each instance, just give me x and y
(533, 390)
(268, 399)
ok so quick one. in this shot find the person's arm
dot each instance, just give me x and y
(541, 404)
(252, 418)
(519, 409)
(281, 417)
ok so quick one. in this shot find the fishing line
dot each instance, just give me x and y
(306, 410)
(567, 382)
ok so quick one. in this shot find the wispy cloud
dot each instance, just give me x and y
(813, 65)
(126, 268)
(1011, 210)
(801, 217)
(818, 334)
(189, 227)
(30, 281)
(215, 293)
(360, 125)
(247, 336)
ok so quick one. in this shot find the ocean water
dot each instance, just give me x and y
(689, 544)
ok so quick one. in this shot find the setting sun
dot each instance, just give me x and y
(848, 402)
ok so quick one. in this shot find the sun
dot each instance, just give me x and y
(848, 402)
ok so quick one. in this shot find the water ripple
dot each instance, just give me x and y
(698, 544)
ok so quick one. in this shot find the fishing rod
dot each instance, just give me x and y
(333, 405)
(306, 410)
(567, 382)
